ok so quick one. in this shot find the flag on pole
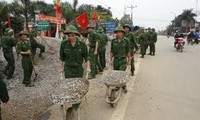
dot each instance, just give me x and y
(83, 20)
(58, 9)
(9, 22)
(58, 14)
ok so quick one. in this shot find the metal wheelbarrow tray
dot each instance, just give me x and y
(114, 80)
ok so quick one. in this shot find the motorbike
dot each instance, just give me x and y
(180, 44)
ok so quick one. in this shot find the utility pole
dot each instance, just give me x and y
(196, 14)
(132, 7)
(124, 9)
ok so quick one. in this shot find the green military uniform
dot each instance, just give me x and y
(120, 51)
(35, 44)
(104, 39)
(153, 40)
(7, 44)
(73, 56)
(4, 97)
(98, 63)
(133, 46)
(143, 40)
(24, 46)
(93, 38)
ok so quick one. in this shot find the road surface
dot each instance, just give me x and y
(166, 87)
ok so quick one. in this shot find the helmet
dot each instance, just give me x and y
(90, 26)
(126, 25)
(71, 29)
(119, 28)
(23, 33)
(100, 30)
(8, 31)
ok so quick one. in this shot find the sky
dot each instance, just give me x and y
(148, 13)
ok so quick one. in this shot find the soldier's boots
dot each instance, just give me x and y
(41, 56)
(10, 77)
(132, 73)
(29, 85)
(91, 77)
(125, 89)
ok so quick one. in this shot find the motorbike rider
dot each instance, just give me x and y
(196, 36)
(190, 37)
(176, 36)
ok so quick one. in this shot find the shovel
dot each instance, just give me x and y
(52, 50)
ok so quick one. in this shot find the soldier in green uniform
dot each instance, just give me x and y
(143, 40)
(93, 50)
(153, 40)
(120, 51)
(8, 42)
(73, 53)
(35, 44)
(24, 49)
(4, 97)
(133, 45)
(104, 40)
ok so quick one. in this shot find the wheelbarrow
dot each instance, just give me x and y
(69, 93)
(114, 81)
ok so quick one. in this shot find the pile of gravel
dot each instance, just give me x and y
(70, 90)
(32, 98)
(115, 78)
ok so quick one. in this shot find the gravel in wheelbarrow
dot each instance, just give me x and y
(70, 90)
(115, 78)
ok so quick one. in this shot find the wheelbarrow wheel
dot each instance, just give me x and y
(69, 114)
(112, 97)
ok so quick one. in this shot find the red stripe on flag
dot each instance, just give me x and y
(9, 22)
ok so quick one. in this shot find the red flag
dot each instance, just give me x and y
(83, 20)
(58, 13)
(9, 22)
(58, 10)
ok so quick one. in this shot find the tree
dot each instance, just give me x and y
(126, 19)
(16, 16)
(26, 4)
(187, 16)
(3, 14)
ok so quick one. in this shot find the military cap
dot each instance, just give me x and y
(119, 28)
(8, 31)
(90, 26)
(100, 30)
(126, 25)
(23, 33)
(71, 30)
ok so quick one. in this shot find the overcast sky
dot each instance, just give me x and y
(148, 13)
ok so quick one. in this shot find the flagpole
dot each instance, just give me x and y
(58, 16)
(196, 13)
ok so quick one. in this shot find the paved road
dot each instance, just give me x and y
(167, 85)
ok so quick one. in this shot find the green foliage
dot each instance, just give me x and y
(3, 14)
